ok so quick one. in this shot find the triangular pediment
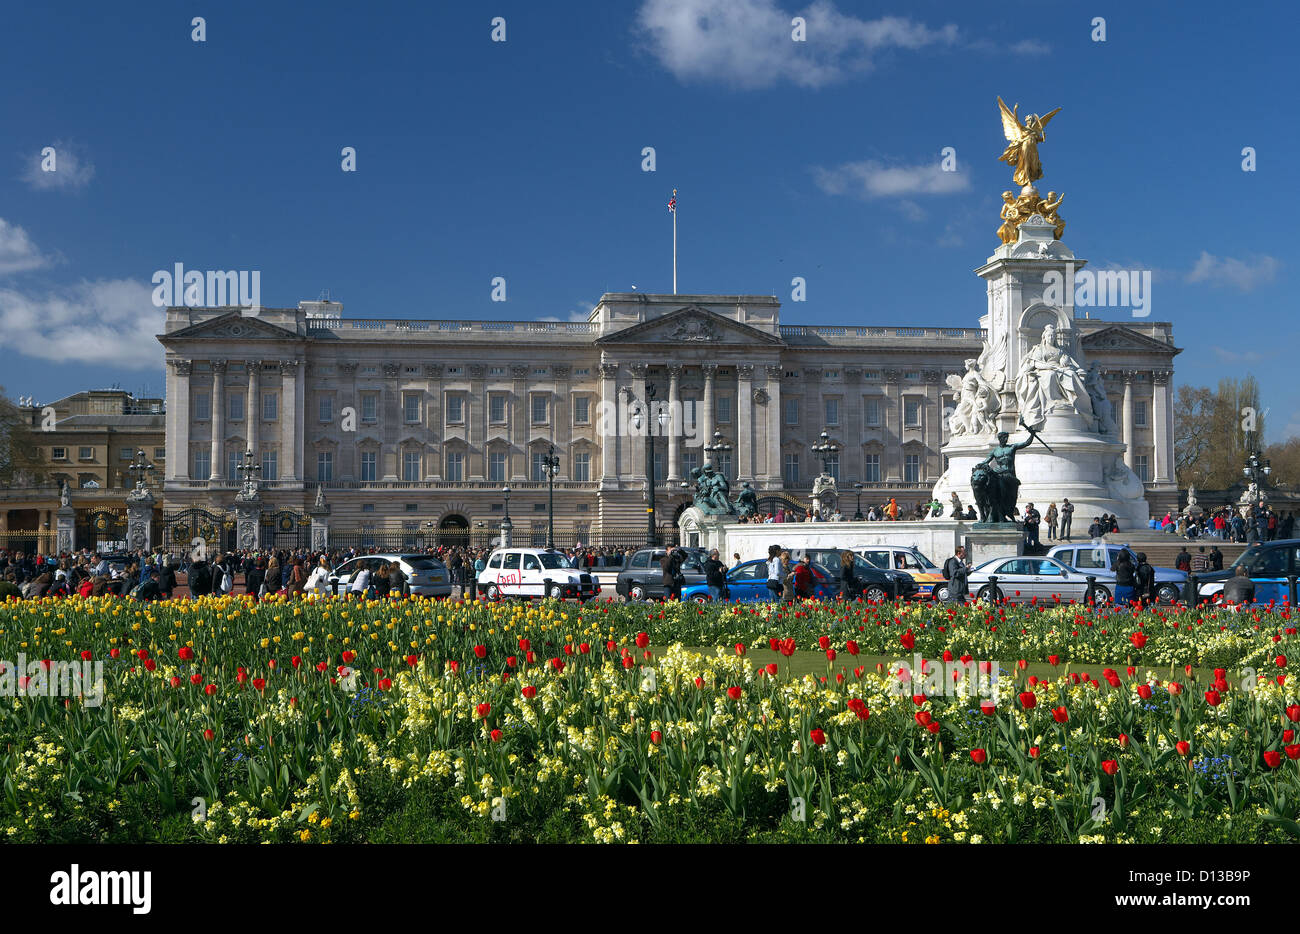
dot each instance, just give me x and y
(691, 326)
(231, 326)
(1118, 338)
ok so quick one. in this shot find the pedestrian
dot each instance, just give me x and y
(1125, 581)
(715, 575)
(1216, 558)
(255, 579)
(1183, 561)
(1051, 517)
(671, 563)
(166, 579)
(955, 571)
(849, 586)
(774, 577)
(1032, 520)
(1144, 580)
(1200, 561)
(1067, 514)
(1239, 589)
(802, 578)
(787, 578)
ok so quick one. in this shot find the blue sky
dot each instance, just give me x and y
(523, 159)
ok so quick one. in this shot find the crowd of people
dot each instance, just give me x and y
(882, 512)
(1229, 525)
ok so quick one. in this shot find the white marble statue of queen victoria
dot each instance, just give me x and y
(1051, 380)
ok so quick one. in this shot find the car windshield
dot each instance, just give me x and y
(421, 563)
(924, 563)
(551, 559)
(1250, 557)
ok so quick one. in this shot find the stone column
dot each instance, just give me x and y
(562, 420)
(390, 422)
(744, 423)
(674, 430)
(607, 426)
(178, 421)
(433, 418)
(772, 476)
(892, 427)
(932, 429)
(139, 520)
(66, 530)
(706, 417)
(218, 419)
(521, 424)
(292, 413)
(1129, 376)
(1160, 427)
(636, 467)
(851, 465)
(254, 413)
(349, 466)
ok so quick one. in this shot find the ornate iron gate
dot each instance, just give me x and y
(180, 528)
(102, 529)
(285, 529)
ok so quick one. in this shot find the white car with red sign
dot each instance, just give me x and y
(534, 572)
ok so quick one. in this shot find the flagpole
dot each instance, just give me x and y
(672, 209)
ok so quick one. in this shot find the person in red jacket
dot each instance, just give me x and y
(803, 578)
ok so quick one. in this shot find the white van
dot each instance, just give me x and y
(534, 572)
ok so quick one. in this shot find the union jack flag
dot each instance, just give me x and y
(672, 203)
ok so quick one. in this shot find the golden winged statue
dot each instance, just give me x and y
(1022, 143)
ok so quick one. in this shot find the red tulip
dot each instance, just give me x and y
(987, 708)
(1110, 766)
(1293, 752)
(210, 690)
(857, 672)
(1022, 664)
(85, 655)
(557, 664)
(524, 645)
(321, 666)
(584, 648)
(908, 640)
(932, 727)
(1184, 747)
(851, 647)
(1028, 699)
(150, 664)
(175, 681)
(1054, 660)
(772, 669)
(348, 656)
(923, 718)
(114, 653)
(830, 655)
(209, 735)
(1175, 688)
(1280, 661)
(259, 683)
(628, 661)
(496, 736)
(1272, 759)
(185, 653)
(788, 647)
(1139, 639)
(734, 692)
(196, 678)
(818, 737)
(1288, 736)
(642, 640)
(1060, 715)
(1123, 741)
(295, 661)
(482, 710)
(1144, 691)
(385, 684)
(1033, 752)
(1213, 698)
(656, 737)
(979, 756)
(529, 692)
(699, 682)
(740, 648)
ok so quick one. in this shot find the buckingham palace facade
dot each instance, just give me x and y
(421, 423)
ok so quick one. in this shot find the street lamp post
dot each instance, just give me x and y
(507, 528)
(140, 469)
(825, 449)
(1256, 471)
(718, 446)
(550, 464)
(248, 470)
(857, 516)
(662, 418)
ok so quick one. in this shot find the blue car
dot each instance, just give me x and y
(1268, 564)
(747, 583)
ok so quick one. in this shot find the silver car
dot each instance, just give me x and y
(426, 576)
(1092, 558)
(1019, 580)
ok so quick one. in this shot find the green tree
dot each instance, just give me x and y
(1214, 430)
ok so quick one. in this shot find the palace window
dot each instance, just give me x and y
(455, 409)
(410, 466)
(59, 454)
(581, 410)
(832, 411)
(232, 465)
(202, 406)
(235, 408)
(582, 466)
(871, 468)
(497, 408)
(455, 472)
(722, 408)
(325, 466)
(1142, 467)
(85, 454)
(792, 411)
(326, 408)
(270, 406)
(912, 413)
(912, 468)
(411, 407)
(792, 470)
(497, 467)
(369, 466)
(270, 466)
(370, 407)
(833, 466)
(540, 408)
(202, 463)
(871, 412)
(1140, 414)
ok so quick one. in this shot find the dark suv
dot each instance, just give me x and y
(877, 584)
(1268, 564)
(642, 578)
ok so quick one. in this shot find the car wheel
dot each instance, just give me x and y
(1100, 595)
(700, 598)
(636, 592)
(940, 593)
(875, 594)
(1167, 593)
(989, 594)
(493, 592)
(554, 592)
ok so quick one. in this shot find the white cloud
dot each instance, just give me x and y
(1238, 273)
(748, 43)
(109, 322)
(70, 168)
(871, 179)
(17, 252)
(1239, 356)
